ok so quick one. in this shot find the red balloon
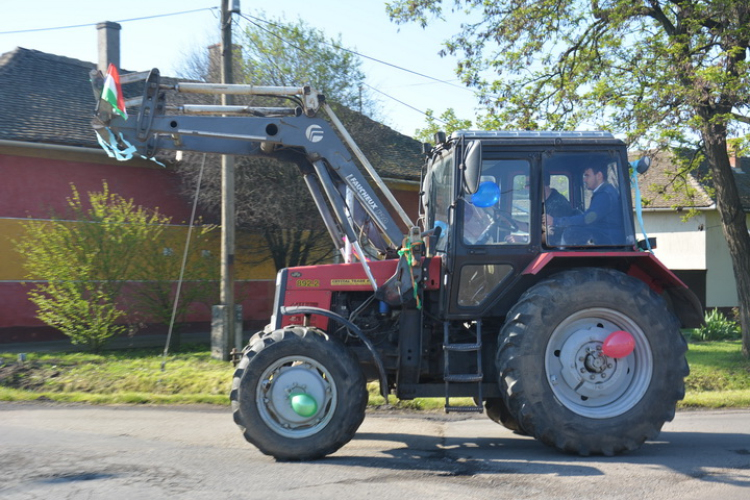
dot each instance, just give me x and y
(618, 344)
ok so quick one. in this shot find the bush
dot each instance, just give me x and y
(718, 327)
(80, 262)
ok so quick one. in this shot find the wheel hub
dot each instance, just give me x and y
(590, 373)
(296, 381)
(296, 397)
(595, 361)
(586, 380)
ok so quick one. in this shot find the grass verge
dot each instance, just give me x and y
(719, 378)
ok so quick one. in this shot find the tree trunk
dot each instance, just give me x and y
(733, 221)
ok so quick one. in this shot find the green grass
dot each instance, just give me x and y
(719, 378)
(117, 377)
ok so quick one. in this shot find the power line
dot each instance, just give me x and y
(34, 30)
(407, 105)
(249, 18)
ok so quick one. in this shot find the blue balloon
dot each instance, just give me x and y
(487, 195)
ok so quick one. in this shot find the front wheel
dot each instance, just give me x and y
(298, 394)
(561, 387)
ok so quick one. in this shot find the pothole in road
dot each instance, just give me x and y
(74, 477)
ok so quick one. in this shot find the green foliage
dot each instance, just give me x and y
(643, 69)
(294, 53)
(448, 122)
(82, 310)
(159, 271)
(82, 261)
(717, 327)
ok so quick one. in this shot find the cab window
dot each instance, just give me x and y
(498, 213)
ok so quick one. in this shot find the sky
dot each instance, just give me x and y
(149, 41)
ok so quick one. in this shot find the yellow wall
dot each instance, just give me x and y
(11, 262)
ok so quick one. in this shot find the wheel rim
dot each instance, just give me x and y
(586, 381)
(289, 377)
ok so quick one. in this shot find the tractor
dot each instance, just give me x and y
(520, 285)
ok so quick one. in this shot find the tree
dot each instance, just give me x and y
(667, 73)
(285, 53)
(449, 122)
(281, 53)
(272, 197)
(85, 259)
(159, 269)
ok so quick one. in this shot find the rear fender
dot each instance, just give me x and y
(641, 265)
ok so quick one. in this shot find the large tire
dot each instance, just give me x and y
(298, 360)
(498, 412)
(558, 385)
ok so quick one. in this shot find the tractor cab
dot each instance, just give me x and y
(501, 199)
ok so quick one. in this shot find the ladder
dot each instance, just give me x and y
(453, 349)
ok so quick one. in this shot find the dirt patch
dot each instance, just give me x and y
(28, 376)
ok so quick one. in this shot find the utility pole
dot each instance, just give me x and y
(224, 331)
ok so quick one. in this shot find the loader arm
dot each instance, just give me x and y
(348, 204)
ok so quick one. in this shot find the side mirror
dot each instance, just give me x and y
(472, 166)
(642, 165)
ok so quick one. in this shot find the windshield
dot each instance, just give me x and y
(498, 213)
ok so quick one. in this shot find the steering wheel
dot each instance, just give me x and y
(500, 221)
(508, 221)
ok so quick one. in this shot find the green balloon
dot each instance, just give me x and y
(304, 405)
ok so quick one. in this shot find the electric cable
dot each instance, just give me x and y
(35, 30)
(184, 262)
(250, 20)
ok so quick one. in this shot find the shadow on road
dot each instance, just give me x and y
(712, 457)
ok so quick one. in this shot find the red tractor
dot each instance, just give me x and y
(521, 286)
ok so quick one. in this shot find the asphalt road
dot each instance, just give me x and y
(54, 451)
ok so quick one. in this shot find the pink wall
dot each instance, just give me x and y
(34, 186)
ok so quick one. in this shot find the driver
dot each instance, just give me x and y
(555, 204)
(602, 222)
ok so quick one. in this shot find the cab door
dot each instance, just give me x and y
(495, 230)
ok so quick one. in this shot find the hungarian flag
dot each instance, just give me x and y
(112, 92)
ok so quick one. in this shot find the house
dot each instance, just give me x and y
(693, 247)
(47, 143)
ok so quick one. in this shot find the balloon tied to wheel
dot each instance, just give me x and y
(303, 404)
(618, 344)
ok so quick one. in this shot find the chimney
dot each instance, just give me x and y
(214, 63)
(109, 45)
(734, 155)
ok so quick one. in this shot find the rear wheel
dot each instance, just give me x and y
(560, 386)
(298, 394)
(498, 412)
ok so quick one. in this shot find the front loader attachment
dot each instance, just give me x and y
(348, 203)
